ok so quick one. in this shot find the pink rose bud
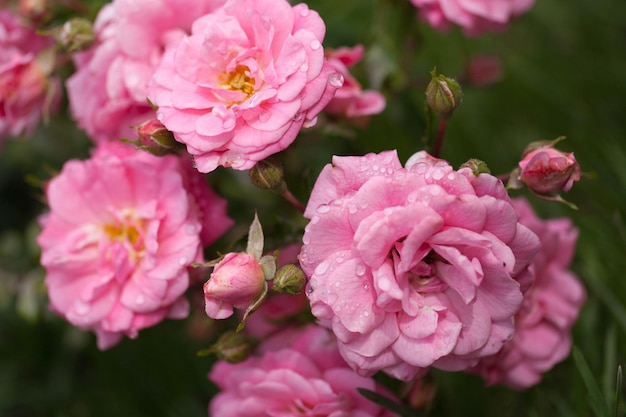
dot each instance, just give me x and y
(156, 139)
(236, 282)
(547, 170)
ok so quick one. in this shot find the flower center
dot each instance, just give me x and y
(239, 80)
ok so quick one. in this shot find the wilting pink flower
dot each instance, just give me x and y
(298, 372)
(24, 82)
(547, 170)
(350, 100)
(122, 230)
(108, 92)
(245, 82)
(550, 308)
(474, 17)
(413, 267)
(236, 282)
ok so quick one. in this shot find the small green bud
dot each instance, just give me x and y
(477, 166)
(267, 175)
(443, 94)
(76, 35)
(289, 279)
(233, 347)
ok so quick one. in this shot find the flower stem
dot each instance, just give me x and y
(441, 132)
(287, 195)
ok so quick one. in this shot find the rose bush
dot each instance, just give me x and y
(413, 266)
(122, 230)
(244, 83)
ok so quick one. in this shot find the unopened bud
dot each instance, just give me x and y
(267, 175)
(477, 166)
(546, 170)
(289, 279)
(156, 139)
(443, 94)
(233, 347)
(76, 35)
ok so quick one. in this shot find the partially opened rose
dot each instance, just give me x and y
(413, 266)
(122, 230)
(551, 305)
(244, 83)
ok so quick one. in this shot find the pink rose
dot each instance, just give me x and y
(122, 230)
(547, 170)
(474, 17)
(297, 372)
(236, 282)
(350, 100)
(550, 308)
(108, 92)
(241, 87)
(24, 83)
(413, 267)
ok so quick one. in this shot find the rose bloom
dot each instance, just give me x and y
(413, 267)
(298, 372)
(547, 170)
(108, 92)
(241, 87)
(350, 100)
(550, 308)
(236, 281)
(122, 230)
(24, 85)
(474, 17)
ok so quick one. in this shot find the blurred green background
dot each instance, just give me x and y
(563, 74)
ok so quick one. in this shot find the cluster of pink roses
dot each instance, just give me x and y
(407, 267)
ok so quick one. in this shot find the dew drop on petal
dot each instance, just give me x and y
(264, 117)
(304, 67)
(297, 117)
(315, 44)
(322, 268)
(366, 313)
(228, 123)
(323, 209)
(352, 208)
(159, 116)
(315, 219)
(310, 122)
(438, 174)
(306, 239)
(360, 270)
(335, 79)
(451, 176)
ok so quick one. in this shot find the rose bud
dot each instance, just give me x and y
(546, 170)
(443, 94)
(236, 282)
(289, 279)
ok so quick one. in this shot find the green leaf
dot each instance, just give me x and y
(255, 239)
(400, 409)
(597, 402)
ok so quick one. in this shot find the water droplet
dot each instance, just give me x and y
(451, 176)
(182, 261)
(315, 44)
(304, 12)
(322, 268)
(338, 202)
(438, 174)
(304, 67)
(366, 313)
(435, 190)
(306, 239)
(323, 209)
(366, 286)
(337, 284)
(360, 270)
(297, 117)
(352, 208)
(399, 176)
(335, 79)
(374, 167)
(310, 122)
(160, 116)
(383, 170)
(339, 259)
(310, 289)
(315, 219)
